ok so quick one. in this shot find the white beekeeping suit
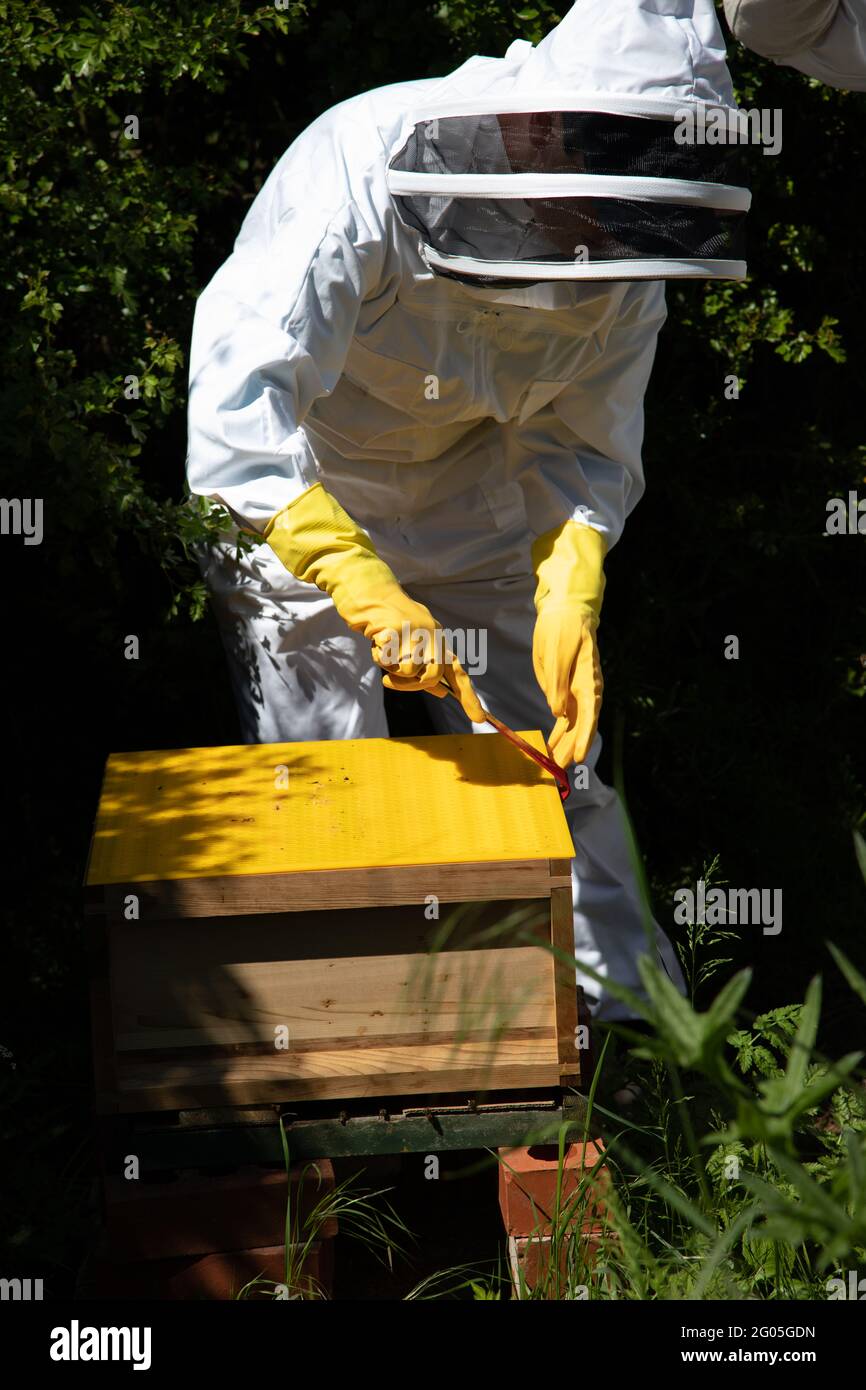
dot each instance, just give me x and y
(427, 355)
(822, 38)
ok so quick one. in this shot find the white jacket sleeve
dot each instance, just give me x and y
(586, 445)
(825, 39)
(271, 334)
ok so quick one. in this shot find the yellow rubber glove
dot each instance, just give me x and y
(319, 543)
(568, 563)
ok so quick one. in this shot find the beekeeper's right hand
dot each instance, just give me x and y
(320, 544)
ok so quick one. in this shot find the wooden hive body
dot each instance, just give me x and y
(317, 921)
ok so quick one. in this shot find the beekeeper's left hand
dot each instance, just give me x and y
(568, 564)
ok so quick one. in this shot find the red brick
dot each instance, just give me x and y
(197, 1214)
(531, 1257)
(527, 1186)
(217, 1276)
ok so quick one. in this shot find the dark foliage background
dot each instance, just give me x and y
(104, 243)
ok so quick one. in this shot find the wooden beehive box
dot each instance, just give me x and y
(279, 922)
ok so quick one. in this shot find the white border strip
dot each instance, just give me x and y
(691, 267)
(712, 195)
(612, 103)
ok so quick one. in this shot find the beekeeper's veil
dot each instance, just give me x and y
(583, 158)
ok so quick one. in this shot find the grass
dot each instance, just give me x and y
(739, 1172)
(362, 1214)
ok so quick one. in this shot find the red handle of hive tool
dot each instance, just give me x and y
(559, 775)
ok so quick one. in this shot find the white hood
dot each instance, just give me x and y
(670, 52)
(643, 61)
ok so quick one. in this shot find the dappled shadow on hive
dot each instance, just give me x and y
(201, 812)
(495, 764)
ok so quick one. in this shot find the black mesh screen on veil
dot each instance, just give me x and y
(567, 142)
(569, 230)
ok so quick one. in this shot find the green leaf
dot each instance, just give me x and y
(852, 975)
(804, 1041)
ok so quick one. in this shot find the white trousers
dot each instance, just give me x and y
(299, 673)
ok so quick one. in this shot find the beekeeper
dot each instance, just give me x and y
(822, 38)
(420, 377)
